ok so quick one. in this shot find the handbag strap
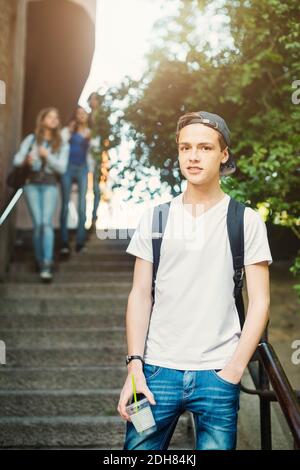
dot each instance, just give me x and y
(31, 144)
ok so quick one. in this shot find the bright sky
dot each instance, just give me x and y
(124, 34)
(123, 31)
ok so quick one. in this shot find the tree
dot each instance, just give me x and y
(247, 79)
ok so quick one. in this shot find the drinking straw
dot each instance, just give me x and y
(134, 391)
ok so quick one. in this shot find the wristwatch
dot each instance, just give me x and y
(130, 358)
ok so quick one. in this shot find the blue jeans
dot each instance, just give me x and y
(79, 174)
(213, 401)
(96, 190)
(42, 200)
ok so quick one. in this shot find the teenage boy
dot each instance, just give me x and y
(190, 347)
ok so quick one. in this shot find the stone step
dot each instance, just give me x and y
(60, 276)
(113, 355)
(79, 402)
(50, 378)
(106, 256)
(112, 245)
(67, 319)
(63, 338)
(107, 240)
(59, 402)
(28, 267)
(96, 260)
(63, 431)
(76, 290)
(61, 305)
(111, 237)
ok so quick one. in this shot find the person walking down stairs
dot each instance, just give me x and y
(46, 155)
(78, 134)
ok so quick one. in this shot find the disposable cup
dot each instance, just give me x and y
(141, 415)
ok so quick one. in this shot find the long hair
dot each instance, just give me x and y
(98, 97)
(56, 139)
(73, 121)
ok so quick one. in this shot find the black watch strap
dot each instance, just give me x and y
(130, 358)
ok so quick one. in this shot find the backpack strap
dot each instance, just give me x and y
(159, 222)
(235, 228)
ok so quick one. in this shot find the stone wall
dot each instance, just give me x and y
(18, 72)
(12, 51)
(59, 50)
(12, 48)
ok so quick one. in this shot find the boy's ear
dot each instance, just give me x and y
(226, 155)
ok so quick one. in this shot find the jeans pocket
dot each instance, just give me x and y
(151, 371)
(224, 381)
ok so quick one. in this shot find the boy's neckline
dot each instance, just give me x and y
(187, 211)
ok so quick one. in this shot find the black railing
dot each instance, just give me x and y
(267, 370)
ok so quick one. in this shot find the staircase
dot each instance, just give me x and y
(65, 350)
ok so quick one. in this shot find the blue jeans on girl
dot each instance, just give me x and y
(79, 174)
(96, 190)
(42, 200)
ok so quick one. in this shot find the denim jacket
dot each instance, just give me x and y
(55, 163)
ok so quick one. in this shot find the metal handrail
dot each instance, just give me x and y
(10, 205)
(270, 371)
(286, 396)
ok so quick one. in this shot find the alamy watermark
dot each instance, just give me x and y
(2, 92)
(2, 352)
(189, 228)
(296, 354)
(296, 94)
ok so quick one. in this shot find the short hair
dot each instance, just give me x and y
(222, 142)
(185, 120)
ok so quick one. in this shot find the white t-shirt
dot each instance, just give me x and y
(194, 323)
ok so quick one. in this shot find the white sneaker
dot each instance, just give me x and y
(46, 272)
(65, 250)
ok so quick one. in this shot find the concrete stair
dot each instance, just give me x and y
(76, 431)
(117, 289)
(65, 349)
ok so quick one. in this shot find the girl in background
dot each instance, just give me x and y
(47, 156)
(78, 135)
(94, 102)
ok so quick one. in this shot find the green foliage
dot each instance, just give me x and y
(247, 78)
(102, 124)
(250, 84)
(295, 269)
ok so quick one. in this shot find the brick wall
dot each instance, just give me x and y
(13, 21)
(7, 21)
(12, 41)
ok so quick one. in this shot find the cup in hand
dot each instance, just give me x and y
(141, 415)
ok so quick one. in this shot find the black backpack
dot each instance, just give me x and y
(235, 227)
(18, 175)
